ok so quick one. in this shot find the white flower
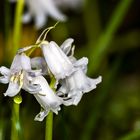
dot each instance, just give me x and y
(19, 76)
(48, 100)
(40, 10)
(74, 86)
(58, 63)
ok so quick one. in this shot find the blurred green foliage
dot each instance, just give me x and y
(108, 33)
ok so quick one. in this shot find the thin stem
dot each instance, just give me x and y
(104, 41)
(49, 126)
(49, 119)
(15, 133)
(17, 25)
(15, 130)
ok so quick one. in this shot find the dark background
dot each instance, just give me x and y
(112, 110)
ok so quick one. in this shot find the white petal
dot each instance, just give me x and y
(66, 46)
(28, 86)
(4, 79)
(86, 84)
(5, 71)
(46, 97)
(16, 64)
(92, 84)
(63, 89)
(13, 89)
(74, 99)
(81, 63)
(57, 61)
(25, 62)
(33, 89)
(34, 73)
(41, 115)
(74, 86)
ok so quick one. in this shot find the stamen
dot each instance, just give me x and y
(12, 78)
(17, 78)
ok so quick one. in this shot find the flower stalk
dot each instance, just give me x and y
(49, 126)
(15, 129)
(49, 118)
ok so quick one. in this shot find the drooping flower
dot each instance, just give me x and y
(57, 61)
(40, 10)
(19, 76)
(48, 100)
(75, 85)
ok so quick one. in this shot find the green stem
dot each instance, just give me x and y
(49, 119)
(17, 25)
(98, 52)
(49, 126)
(15, 131)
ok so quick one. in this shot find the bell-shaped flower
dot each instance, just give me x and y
(74, 86)
(46, 97)
(19, 76)
(40, 10)
(57, 61)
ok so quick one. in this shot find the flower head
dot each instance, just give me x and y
(57, 61)
(19, 76)
(48, 100)
(74, 86)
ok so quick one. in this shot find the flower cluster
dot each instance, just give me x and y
(57, 62)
